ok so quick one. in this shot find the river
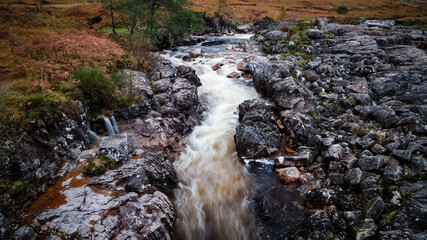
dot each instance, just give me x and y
(215, 187)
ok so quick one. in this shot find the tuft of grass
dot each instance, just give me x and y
(342, 10)
(389, 217)
(415, 177)
(99, 165)
(359, 131)
(18, 188)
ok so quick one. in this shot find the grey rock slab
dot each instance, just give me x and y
(119, 147)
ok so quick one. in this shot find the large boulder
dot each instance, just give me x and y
(189, 74)
(139, 83)
(150, 217)
(119, 147)
(315, 33)
(185, 94)
(256, 139)
(299, 127)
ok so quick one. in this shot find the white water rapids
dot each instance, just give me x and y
(212, 198)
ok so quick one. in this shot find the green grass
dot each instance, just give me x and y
(120, 31)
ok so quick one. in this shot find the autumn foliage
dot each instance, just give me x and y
(60, 55)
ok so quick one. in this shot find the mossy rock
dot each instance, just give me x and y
(99, 165)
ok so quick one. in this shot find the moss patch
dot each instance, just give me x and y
(99, 165)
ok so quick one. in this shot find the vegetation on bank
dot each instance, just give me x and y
(252, 10)
(52, 57)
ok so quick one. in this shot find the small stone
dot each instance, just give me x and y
(233, 75)
(378, 149)
(320, 220)
(335, 153)
(365, 229)
(393, 174)
(289, 174)
(217, 66)
(374, 208)
(402, 155)
(4, 223)
(241, 66)
(367, 163)
(326, 142)
(314, 33)
(336, 178)
(197, 52)
(24, 233)
(349, 161)
(354, 176)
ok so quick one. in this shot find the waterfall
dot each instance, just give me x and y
(93, 136)
(108, 126)
(214, 190)
(115, 126)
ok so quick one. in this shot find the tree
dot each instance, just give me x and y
(109, 7)
(222, 4)
(281, 15)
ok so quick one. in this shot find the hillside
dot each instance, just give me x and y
(250, 10)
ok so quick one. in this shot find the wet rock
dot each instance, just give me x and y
(233, 75)
(189, 74)
(150, 217)
(335, 153)
(266, 73)
(374, 208)
(256, 139)
(288, 175)
(162, 85)
(217, 66)
(418, 164)
(150, 170)
(245, 28)
(401, 155)
(349, 160)
(140, 83)
(4, 224)
(138, 110)
(385, 117)
(378, 149)
(364, 229)
(119, 147)
(393, 174)
(416, 206)
(301, 156)
(24, 233)
(354, 176)
(273, 35)
(185, 94)
(367, 163)
(370, 187)
(299, 128)
(320, 221)
(315, 33)
(256, 110)
(194, 53)
(336, 178)
(323, 196)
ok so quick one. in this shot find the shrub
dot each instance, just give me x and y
(18, 188)
(97, 89)
(99, 165)
(342, 10)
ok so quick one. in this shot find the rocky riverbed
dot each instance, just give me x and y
(334, 147)
(346, 129)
